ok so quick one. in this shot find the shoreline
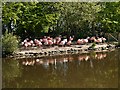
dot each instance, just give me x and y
(53, 51)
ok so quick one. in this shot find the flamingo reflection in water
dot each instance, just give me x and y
(100, 56)
(39, 61)
(62, 61)
(83, 57)
(28, 63)
(43, 62)
(87, 57)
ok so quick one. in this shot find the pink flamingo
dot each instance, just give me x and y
(62, 43)
(79, 41)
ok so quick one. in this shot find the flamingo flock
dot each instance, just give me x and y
(90, 40)
(60, 41)
(47, 41)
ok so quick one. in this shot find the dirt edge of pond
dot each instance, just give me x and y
(53, 51)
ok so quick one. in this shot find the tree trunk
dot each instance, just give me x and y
(108, 38)
(9, 27)
(93, 29)
(119, 38)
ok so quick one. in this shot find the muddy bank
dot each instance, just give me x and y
(52, 51)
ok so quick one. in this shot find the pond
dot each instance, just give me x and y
(91, 70)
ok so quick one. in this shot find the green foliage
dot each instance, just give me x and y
(9, 43)
(93, 45)
(77, 18)
(109, 17)
(81, 19)
(30, 18)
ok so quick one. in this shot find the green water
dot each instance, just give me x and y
(93, 70)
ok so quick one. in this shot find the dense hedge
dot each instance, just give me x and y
(9, 43)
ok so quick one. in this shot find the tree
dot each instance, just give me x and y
(80, 19)
(29, 18)
(109, 17)
(77, 18)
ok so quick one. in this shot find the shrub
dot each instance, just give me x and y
(9, 43)
(93, 45)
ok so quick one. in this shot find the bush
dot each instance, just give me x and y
(9, 43)
(93, 45)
